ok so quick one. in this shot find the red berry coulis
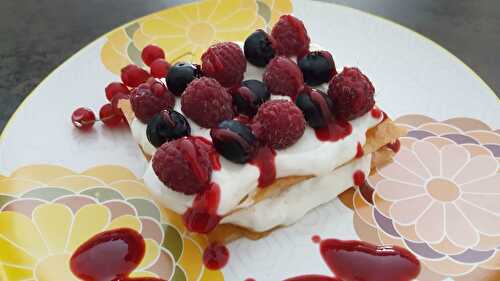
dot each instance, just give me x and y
(394, 146)
(215, 256)
(358, 177)
(316, 239)
(361, 261)
(202, 217)
(359, 151)
(334, 131)
(376, 113)
(264, 160)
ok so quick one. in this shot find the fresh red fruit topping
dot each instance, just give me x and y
(151, 98)
(215, 256)
(108, 115)
(207, 103)
(133, 76)
(224, 62)
(83, 118)
(183, 165)
(115, 88)
(283, 77)
(279, 123)
(291, 36)
(150, 53)
(352, 93)
(160, 68)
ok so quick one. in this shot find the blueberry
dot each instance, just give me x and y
(180, 75)
(259, 48)
(317, 67)
(234, 140)
(250, 96)
(316, 106)
(165, 126)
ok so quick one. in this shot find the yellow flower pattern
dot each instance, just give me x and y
(47, 211)
(186, 31)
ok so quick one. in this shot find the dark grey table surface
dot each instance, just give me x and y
(38, 35)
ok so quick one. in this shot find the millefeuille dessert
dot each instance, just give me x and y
(259, 134)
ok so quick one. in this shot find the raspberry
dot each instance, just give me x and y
(283, 77)
(352, 93)
(183, 165)
(150, 53)
(149, 99)
(207, 103)
(291, 36)
(133, 76)
(224, 62)
(279, 123)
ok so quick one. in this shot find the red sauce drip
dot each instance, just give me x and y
(334, 131)
(361, 261)
(359, 151)
(202, 217)
(358, 177)
(109, 255)
(215, 256)
(394, 146)
(212, 152)
(376, 113)
(367, 192)
(190, 154)
(250, 279)
(264, 160)
(316, 239)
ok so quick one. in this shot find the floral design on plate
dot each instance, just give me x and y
(47, 211)
(190, 29)
(439, 198)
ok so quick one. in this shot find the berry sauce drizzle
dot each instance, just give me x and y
(249, 279)
(109, 255)
(358, 177)
(376, 113)
(359, 151)
(264, 160)
(212, 152)
(334, 131)
(215, 256)
(361, 261)
(394, 146)
(202, 217)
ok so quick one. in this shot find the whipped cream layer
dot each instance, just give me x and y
(293, 203)
(309, 156)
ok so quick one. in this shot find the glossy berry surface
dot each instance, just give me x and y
(258, 48)
(249, 96)
(83, 118)
(180, 75)
(317, 67)
(167, 125)
(149, 99)
(207, 103)
(159, 68)
(291, 36)
(234, 140)
(133, 76)
(108, 116)
(316, 107)
(283, 77)
(352, 94)
(279, 123)
(115, 88)
(225, 62)
(150, 53)
(183, 165)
